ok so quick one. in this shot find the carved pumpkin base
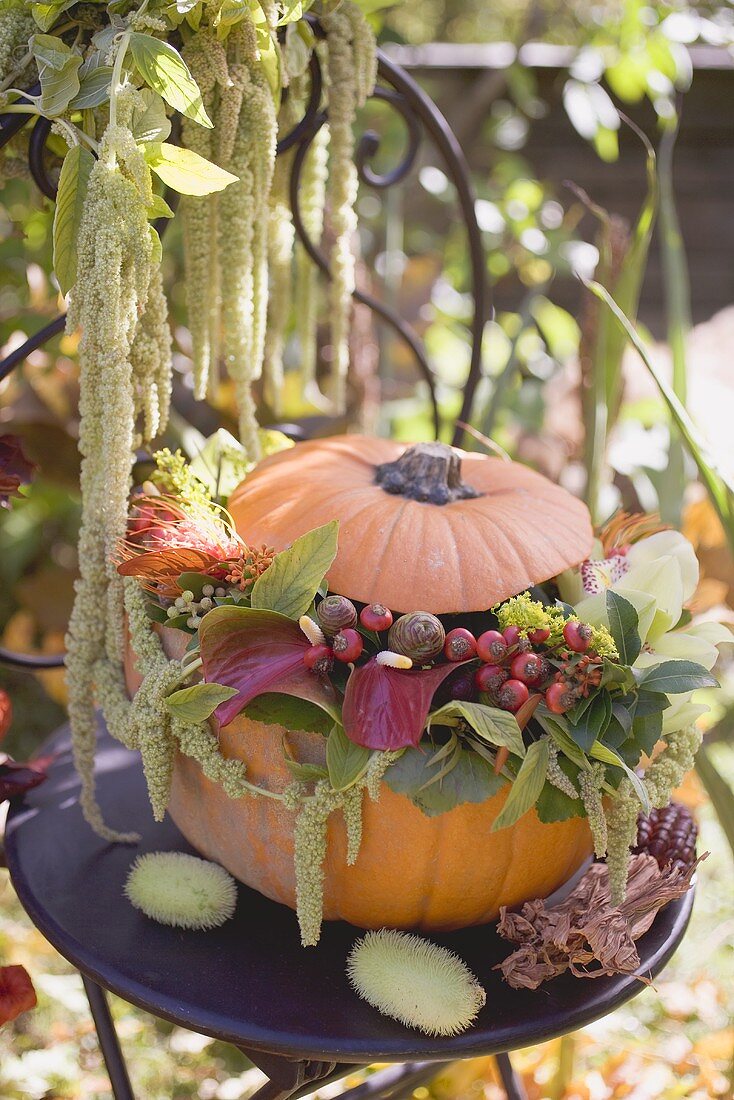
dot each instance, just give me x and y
(413, 872)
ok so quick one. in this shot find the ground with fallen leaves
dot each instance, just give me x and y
(673, 1041)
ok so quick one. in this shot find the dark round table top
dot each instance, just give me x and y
(250, 982)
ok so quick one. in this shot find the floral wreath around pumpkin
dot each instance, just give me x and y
(563, 693)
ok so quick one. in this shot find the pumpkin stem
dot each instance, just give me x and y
(428, 472)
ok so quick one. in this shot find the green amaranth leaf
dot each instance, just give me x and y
(185, 171)
(290, 584)
(165, 71)
(150, 122)
(198, 702)
(527, 786)
(72, 192)
(676, 677)
(345, 761)
(274, 709)
(472, 779)
(59, 86)
(623, 624)
(496, 727)
(94, 88)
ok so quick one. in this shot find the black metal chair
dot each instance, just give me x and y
(250, 983)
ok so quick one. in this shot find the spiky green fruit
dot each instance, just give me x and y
(181, 890)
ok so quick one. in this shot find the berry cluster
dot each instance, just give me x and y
(187, 604)
(514, 661)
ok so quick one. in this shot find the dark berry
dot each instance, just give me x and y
(577, 636)
(490, 677)
(319, 658)
(491, 646)
(460, 645)
(512, 695)
(529, 667)
(348, 645)
(462, 686)
(559, 698)
(376, 617)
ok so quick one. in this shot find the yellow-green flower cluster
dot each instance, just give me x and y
(114, 269)
(528, 614)
(555, 773)
(312, 199)
(602, 643)
(16, 27)
(309, 833)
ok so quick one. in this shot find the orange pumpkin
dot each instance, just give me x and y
(414, 536)
(413, 871)
(423, 528)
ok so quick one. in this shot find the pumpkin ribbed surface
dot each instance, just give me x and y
(413, 555)
(413, 871)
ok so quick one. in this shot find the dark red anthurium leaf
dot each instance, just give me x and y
(387, 708)
(15, 778)
(6, 713)
(15, 468)
(16, 993)
(256, 652)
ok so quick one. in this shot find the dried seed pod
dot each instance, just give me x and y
(419, 635)
(336, 613)
(669, 834)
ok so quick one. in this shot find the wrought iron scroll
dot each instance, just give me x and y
(422, 119)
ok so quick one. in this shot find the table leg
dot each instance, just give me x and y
(108, 1041)
(511, 1083)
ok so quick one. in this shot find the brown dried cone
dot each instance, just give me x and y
(585, 933)
(669, 835)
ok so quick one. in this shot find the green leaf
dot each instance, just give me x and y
(617, 675)
(623, 624)
(164, 70)
(676, 677)
(292, 581)
(150, 122)
(70, 198)
(591, 724)
(305, 773)
(58, 71)
(197, 703)
(611, 756)
(159, 208)
(94, 88)
(527, 786)
(275, 709)
(185, 171)
(46, 15)
(221, 464)
(156, 246)
(495, 726)
(345, 761)
(646, 731)
(472, 779)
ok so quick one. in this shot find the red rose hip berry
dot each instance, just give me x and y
(559, 698)
(460, 645)
(511, 634)
(577, 636)
(512, 695)
(376, 617)
(347, 645)
(491, 646)
(537, 637)
(319, 658)
(490, 677)
(529, 668)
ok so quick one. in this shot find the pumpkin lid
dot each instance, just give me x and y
(421, 528)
